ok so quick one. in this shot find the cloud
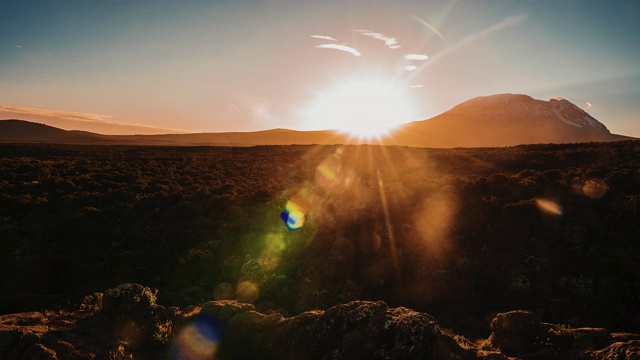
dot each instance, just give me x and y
(341, 48)
(410, 67)
(72, 120)
(69, 115)
(417, 86)
(18, 46)
(323, 37)
(419, 57)
(390, 42)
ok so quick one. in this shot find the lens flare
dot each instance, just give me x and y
(328, 173)
(549, 207)
(595, 188)
(269, 260)
(198, 340)
(224, 291)
(247, 292)
(293, 215)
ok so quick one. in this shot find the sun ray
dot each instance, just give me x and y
(388, 225)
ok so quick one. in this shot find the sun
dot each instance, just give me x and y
(365, 109)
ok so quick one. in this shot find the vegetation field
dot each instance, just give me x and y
(459, 233)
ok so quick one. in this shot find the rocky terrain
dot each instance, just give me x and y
(126, 323)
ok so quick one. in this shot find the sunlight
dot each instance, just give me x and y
(365, 109)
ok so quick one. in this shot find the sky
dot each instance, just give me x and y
(157, 66)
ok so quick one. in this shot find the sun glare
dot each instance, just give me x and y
(365, 109)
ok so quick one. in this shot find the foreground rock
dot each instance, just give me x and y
(132, 326)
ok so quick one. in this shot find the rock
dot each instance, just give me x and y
(591, 338)
(624, 337)
(364, 330)
(516, 332)
(25, 319)
(233, 330)
(39, 352)
(629, 350)
(226, 309)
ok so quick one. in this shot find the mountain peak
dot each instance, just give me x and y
(517, 106)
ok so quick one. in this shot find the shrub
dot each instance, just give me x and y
(127, 297)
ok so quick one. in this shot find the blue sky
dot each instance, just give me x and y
(252, 65)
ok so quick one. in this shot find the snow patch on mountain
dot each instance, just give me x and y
(571, 114)
(515, 106)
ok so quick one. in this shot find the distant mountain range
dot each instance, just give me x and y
(488, 121)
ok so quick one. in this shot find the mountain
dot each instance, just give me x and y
(506, 120)
(487, 121)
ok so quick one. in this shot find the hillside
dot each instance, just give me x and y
(20, 131)
(491, 121)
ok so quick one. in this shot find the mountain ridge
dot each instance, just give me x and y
(485, 121)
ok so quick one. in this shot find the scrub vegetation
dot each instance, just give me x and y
(461, 234)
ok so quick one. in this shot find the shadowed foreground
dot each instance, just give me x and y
(461, 234)
(125, 323)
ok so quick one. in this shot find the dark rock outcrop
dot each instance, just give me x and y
(232, 330)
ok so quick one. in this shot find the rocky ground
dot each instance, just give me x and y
(125, 323)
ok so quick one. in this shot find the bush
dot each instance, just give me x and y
(127, 297)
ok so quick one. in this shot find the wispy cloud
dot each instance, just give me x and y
(419, 57)
(418, 86)
(69, 115)
(390, 42)
(92, 121)
(323, 37)
(410, 67)
(18, 46)
(340, 47)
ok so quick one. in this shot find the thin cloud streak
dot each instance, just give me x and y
(323, 37)
(410, 67)
(69, 115)
(390, 42)
(76, 116)
(341, 48)
(419, 57)
(71, 120)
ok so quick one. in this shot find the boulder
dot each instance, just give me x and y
(516, 332)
